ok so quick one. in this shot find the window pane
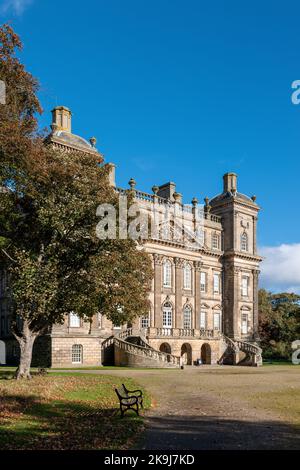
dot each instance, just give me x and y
(76, 353)
(203, 319)
(145, 321)
(167, 273)
(74, 320)
(203, 282)
(216, 321)
(187, 277)
(244, 323)
(216, 283)
(187, 317)
(167, 317)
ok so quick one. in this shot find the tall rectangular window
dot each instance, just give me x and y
(203, 282)
(244, 325)
(145, 321)
(187, 277)
(167, 318)
(203, 320)
(217, 321)
(215, 241)
(187, 317)
(167, 274)
(216, 283)
(74, 320)
(76, 354)
(245, 286)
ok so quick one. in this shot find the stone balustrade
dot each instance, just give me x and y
(182, 333)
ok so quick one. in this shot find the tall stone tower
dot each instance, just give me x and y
(240, 261)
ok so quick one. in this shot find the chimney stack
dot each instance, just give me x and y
(230, 182)
(61, 119)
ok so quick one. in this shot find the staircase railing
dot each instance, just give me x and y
(146, 352)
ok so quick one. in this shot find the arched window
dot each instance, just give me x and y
(187, 276)
(167, 271)
(74, 320)
(77, 354)
(187, 317)
(167, 315)
(244, 242)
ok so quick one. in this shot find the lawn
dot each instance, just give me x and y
(65, 412)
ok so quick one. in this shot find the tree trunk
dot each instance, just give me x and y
(26, 342)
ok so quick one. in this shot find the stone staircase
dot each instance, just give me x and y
(237, 352)
(130, 348)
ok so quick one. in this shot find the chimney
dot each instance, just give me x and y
(61, 119)
(230, 182)
(167, 190)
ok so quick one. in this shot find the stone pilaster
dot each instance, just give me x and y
(255, 274)
(158, 260)
(178, 292)
(254, 235)
(197, 291)
(231, 291)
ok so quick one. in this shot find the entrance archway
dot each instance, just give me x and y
(186, 354)
(165, 348)
(206, 353)
(2, 353)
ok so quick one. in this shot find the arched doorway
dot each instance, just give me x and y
(2, 353)
(206, 353)
(186, 354)
(165, 348)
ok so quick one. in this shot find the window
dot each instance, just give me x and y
(74, 320)
(244, 323)
(167, 315)
(203, 320)
(203, 282)
(99, 320)
(217, 321)
(244, 242)
(145, 321)
(187, 277)
(215, 241)
(76, 354)
(167, 273)
(201, 235)
(187, 317)
(245, 286)
(216, 284)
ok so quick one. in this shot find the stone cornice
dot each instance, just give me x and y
(242, 255)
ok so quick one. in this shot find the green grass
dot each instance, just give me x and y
(276, 362)
(65, 411)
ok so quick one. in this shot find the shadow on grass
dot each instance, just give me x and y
(215, 433)
(26, 422)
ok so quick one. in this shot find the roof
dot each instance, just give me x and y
(228, 195)
(73, 139)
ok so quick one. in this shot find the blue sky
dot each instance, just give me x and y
(181, 91)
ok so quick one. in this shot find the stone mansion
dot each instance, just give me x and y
(204, 298)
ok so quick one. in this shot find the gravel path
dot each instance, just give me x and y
(219, 407)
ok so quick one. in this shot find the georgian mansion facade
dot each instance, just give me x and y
(204, 296)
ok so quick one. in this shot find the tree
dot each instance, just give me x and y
(279, 322)
(49, 246)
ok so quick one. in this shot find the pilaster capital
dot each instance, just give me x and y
(179, 262)
(158, 259)
(198, 265)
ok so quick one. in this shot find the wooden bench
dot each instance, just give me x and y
(129, 400)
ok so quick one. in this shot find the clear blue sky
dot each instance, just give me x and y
(178, 90)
